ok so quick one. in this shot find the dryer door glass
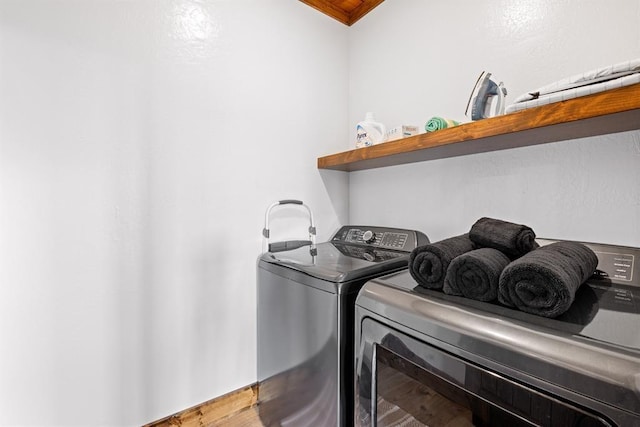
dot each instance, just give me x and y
(442, 390)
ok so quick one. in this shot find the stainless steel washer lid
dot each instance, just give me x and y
(354, 253)
(339, 263)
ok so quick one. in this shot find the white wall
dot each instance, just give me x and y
(140, 144)
(412, 59)
(141, 141)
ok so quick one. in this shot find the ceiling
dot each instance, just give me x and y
(345, 11)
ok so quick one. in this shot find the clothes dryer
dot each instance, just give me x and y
(485, 364)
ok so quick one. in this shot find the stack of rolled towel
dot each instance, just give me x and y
(500, 260)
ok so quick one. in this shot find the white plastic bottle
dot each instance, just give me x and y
(370, 132)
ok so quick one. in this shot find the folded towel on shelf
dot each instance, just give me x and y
(593, 81)
(545, 281)
(577, 92)
(476, 274)
(428, 264)
(437, 123)
(588, 78)
(514, 240)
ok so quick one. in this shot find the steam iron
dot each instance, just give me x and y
(487, 98)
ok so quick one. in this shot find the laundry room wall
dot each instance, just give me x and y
(140, 143)
(411, 60)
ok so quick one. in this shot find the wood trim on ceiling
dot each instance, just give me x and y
(346, 11)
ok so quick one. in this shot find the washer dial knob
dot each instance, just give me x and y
(368, 236)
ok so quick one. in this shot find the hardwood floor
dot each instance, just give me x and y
(246, 418)
(241, 404)
(401, 394)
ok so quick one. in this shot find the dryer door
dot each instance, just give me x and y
(403, 381)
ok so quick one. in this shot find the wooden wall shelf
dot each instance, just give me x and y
(607, 112)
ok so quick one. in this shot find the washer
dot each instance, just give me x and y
(493, 365)
(306, 326)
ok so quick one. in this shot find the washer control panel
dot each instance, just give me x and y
(381, 237)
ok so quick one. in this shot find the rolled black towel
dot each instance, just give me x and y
(512, 239)
(545, 281)
(428, 264)
(475, 274)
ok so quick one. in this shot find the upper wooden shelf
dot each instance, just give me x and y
(612, 111)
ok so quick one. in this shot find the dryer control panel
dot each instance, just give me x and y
(381, 237)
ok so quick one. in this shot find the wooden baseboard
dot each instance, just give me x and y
(212, 411)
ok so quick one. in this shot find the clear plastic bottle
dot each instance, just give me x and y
(370, 132)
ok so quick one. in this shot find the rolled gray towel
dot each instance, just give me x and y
(428, 264)
(476, 274)
(545, 281)
(512, 239)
